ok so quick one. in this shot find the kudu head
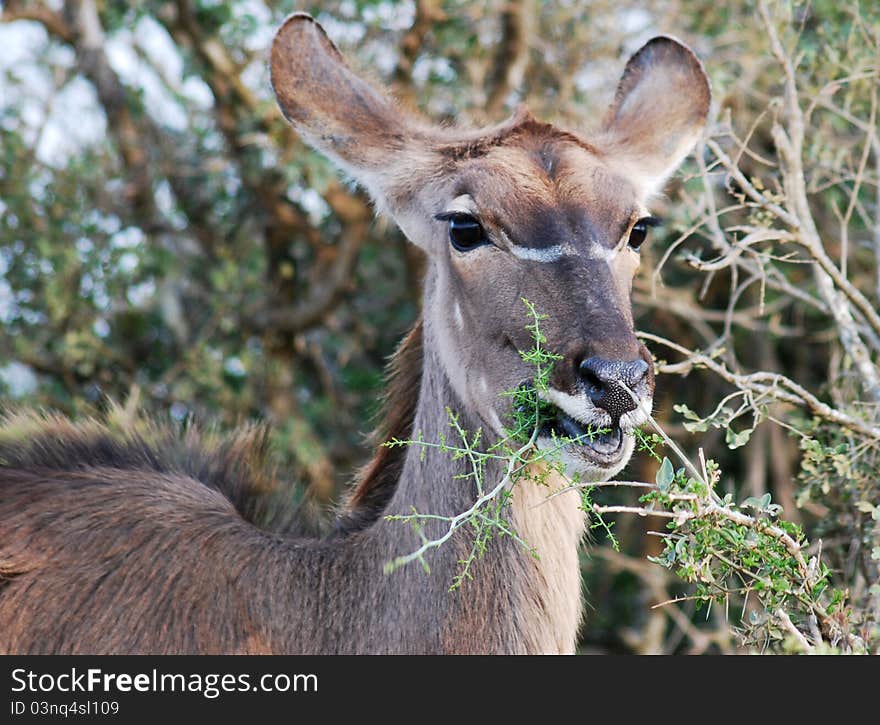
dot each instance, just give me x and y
(519, 210)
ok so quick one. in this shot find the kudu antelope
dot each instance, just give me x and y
(134, 542)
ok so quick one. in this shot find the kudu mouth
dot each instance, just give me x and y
(600, 445)
(597, 437)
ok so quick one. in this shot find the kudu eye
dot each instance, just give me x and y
(465, 232)
(639, 232)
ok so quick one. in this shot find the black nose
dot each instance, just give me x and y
(605, 380)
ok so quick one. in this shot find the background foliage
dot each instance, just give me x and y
(165, 237)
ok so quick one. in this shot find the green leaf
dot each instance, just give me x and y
(686, 412)
(735, 440)
(700, 427)
(694, 423)
(759, 504)
(665, 475)
(866, 507)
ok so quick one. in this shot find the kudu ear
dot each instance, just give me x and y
(333, 109)
(659, 110)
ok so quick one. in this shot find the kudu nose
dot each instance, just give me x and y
(605, 380)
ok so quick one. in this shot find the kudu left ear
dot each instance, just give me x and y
(335, 110)
(659, 111)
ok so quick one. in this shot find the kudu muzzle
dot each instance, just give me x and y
(609, 382)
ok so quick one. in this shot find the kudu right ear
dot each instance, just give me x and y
(333, 109)
(659, 111)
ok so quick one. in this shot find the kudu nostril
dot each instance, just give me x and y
(605, 381)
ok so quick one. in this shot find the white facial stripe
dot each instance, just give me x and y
(533, 254)
(544, 254)
(459, 320)
(597, 251)
(557, 252)
(465, 204)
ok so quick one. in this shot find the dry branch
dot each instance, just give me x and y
(837, 292)
(511, 59)
(772, 386)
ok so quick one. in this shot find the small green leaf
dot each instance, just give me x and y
(759, 504)
(665, 475)
(698, 427)
(735, 440)
(866, 507)
(693, 422)
(686, 412)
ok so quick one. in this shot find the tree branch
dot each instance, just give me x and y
(428, 12)
(54, 23)
(328, 285)
(837, 292)
(775, 385)
(511, 59)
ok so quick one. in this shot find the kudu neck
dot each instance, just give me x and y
(428, 480)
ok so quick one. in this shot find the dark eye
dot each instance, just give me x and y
(639, 233)
(466, 233)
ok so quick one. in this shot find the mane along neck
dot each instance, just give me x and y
(377, 480)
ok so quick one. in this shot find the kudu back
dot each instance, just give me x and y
(137, 540)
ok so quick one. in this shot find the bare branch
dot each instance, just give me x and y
(511, 59)
(428, 12)
(750, 191)
(774, 385)
(793, 631)
(870, 131)
(54, 22)
(837, 292)
(680, 304)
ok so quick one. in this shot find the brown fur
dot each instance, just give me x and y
(237, 466)
(521, 124)
(77, 569)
